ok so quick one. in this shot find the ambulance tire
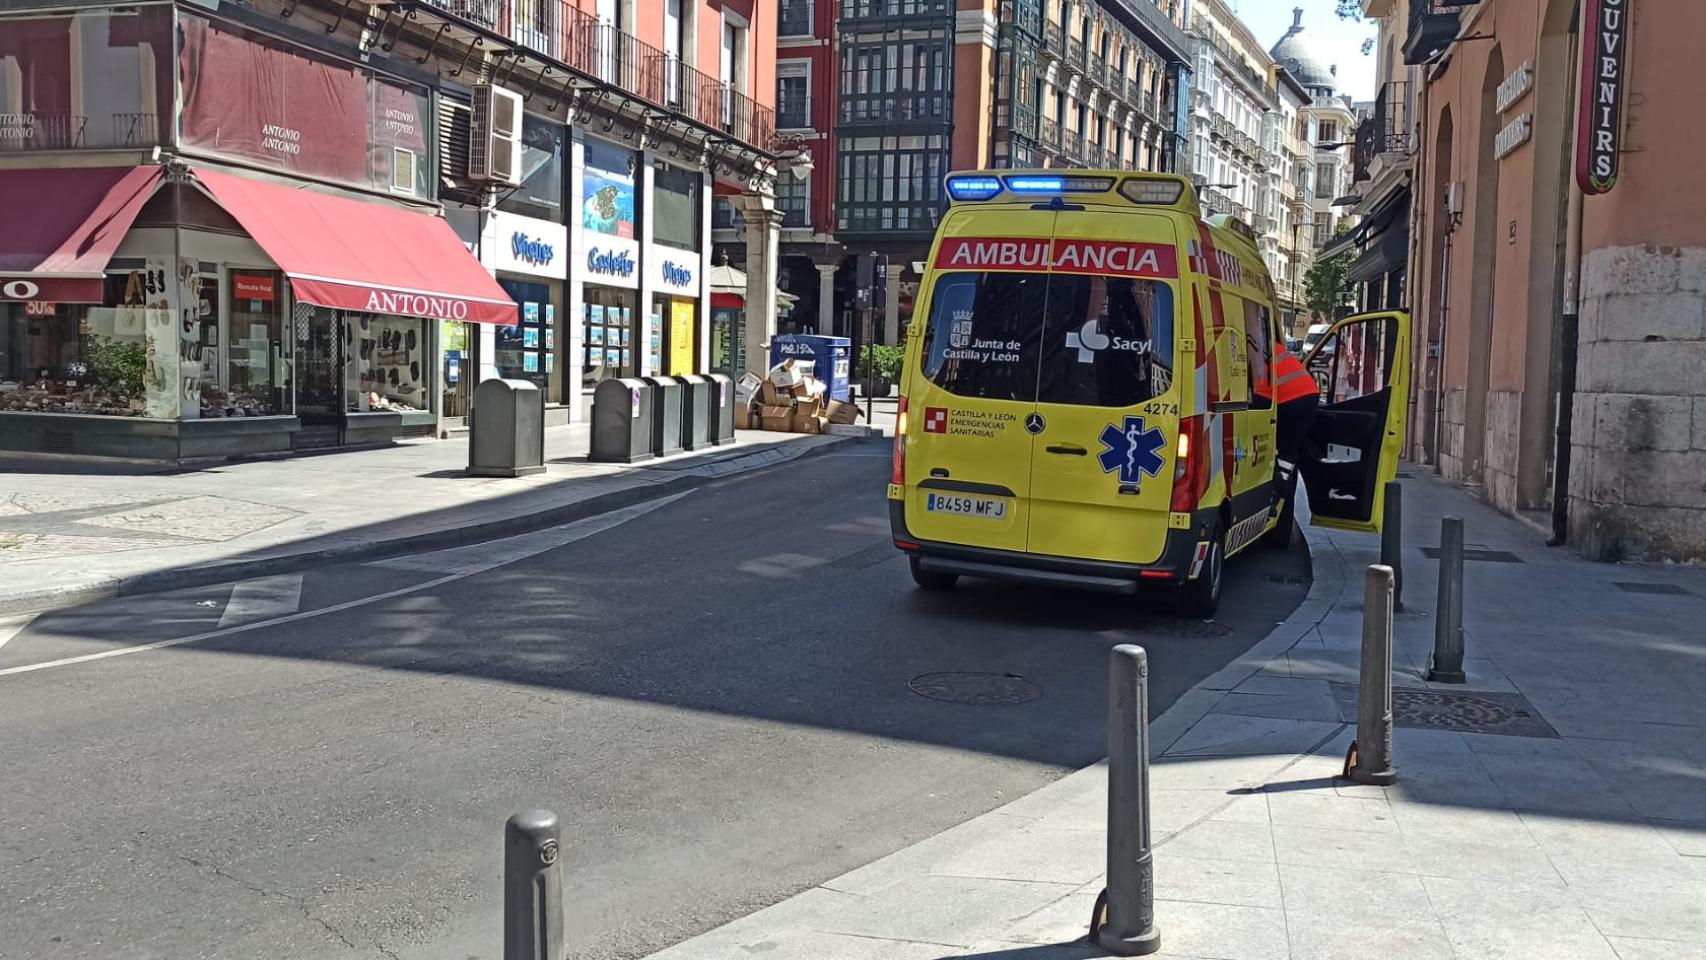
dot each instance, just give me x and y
(1200, 598)
(931, 579)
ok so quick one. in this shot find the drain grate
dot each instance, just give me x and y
(1503, 714)
(1669, 589)
(1485, 556)
(975, 689)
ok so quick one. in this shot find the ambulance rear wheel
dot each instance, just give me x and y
(931, 579)
(1200, 598)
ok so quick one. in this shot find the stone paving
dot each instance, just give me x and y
(1582, 837)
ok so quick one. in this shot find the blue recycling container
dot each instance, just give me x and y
(830, 358)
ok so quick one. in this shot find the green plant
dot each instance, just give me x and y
(118, 364)
(1327, 283)
(885, 361)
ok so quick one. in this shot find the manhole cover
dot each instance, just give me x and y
(1505, 714)
(977, 689)
(1664, 588)
(1187, 629)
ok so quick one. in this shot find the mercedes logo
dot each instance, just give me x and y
(1035, 423)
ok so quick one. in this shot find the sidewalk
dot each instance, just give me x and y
(72, 531)
(1569, 824)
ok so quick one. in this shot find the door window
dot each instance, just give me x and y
(1354, 361)
(1108, 341)
(1259, 344)
(984, 332)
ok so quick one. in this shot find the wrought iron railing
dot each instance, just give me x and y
(1050, 133)
(619, 59)
(42, 131)
(1387, 131)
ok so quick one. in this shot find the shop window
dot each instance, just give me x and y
(526, 350)
(254, 379)
(541, 191)
(76, 358)
(675, 206)
(390, 368)
(610, 333)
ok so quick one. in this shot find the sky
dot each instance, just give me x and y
(1335, 41)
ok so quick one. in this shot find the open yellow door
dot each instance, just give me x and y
(1362, 366)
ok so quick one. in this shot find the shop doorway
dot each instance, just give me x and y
(319, 368)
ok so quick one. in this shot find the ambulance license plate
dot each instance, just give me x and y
(992, 508)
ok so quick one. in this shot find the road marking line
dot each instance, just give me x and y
(568, 533)
(263, 599)
(11, 628)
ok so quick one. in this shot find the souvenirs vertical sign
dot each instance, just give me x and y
(1605, 78)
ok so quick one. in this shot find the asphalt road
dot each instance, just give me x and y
(715, 693)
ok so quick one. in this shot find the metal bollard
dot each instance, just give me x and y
(1392, 539)
(1130, 929)
(1447, 666)
(533, 887)
(1373, 762)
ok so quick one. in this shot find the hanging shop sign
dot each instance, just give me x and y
(676, 276)
(1605, 46)
(1515, 134)
(610, 263)
(531, 250)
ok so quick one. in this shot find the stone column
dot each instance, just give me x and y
(891, 306)
(826, 297)
(763, 252)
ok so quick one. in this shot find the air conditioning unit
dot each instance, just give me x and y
(494, 143)
(1454, 197)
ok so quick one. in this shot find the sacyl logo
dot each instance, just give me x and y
(528, 250)
(676, 275)
(604, 261)
(1089, 338)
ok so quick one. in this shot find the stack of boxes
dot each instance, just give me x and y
(791, 400)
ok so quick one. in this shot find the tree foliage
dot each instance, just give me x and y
(1350, 9)
(1328, 281)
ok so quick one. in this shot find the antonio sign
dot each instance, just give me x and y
(1605, 46)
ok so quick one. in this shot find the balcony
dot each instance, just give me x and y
(1098, 69)
(1075, 53)
(1433, 27)
(616, 58)
(1117, 85)
(1054, 39)
(1386, 133)
(1050, 133)
(1072, 145)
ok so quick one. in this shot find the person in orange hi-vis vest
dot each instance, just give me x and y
(1297, 396)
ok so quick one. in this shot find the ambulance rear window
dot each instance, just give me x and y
(1078, 339)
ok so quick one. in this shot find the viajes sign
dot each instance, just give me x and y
(1605, 46)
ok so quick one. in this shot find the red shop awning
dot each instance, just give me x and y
(62, 226)
(369, 257)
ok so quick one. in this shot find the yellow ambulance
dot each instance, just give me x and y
(1087, 393)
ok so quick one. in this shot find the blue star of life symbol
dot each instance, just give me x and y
(1133, 450)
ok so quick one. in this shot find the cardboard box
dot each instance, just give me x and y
(841, 411)
(808, 407)
(776, 424)
(808, 425)
(851, 430)
(787, 373)
(810, 388)
(781, 411)
(768, 395)
(746, 390)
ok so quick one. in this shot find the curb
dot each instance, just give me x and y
(1327, 580)
(44, 600)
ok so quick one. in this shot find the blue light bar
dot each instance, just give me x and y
(1037, 184)
(973, 188)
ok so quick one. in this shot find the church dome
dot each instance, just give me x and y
(1296, 54)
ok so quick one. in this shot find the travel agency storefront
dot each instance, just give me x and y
(524, 242)
(195, 309)
(676, 267)
(614, 333)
